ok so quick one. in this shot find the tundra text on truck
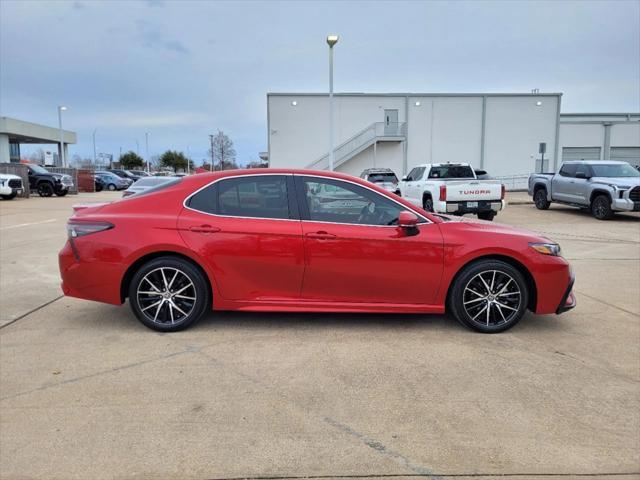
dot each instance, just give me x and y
(452, 188)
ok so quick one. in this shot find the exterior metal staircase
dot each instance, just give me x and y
(374, 133)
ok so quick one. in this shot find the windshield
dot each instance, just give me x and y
(383, 177)
(615, 170)
(38, 169)
(451, 171)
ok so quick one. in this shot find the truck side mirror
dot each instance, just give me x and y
(406, 178)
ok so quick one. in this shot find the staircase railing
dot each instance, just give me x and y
(360, 141)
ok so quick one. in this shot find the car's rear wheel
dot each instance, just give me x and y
(540, 199)
(601, 208)
(111, 187)
(168, 294)
(489, 296)
(45, 189)
(427, 204)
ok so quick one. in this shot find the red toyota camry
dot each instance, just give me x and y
(299, 240)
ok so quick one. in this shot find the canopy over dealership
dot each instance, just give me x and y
(503, 133)
(14, 132)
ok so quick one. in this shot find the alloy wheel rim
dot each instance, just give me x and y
(492, 298)
(166, 295)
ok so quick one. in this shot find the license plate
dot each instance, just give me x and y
(472, 204)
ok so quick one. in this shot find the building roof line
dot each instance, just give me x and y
(411, 94)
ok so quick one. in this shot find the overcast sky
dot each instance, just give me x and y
(183, 69)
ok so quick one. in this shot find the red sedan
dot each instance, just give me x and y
(296, 240)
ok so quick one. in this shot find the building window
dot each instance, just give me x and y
(14, 152)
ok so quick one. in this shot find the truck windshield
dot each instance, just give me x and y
(615, 170)
(38, 169)
(451, 171)
(383, 177)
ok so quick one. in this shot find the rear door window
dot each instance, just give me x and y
(569, 169)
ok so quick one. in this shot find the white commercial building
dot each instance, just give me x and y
(600, 136)
(500, 133)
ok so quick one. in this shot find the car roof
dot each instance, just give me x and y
(596, 162)
(378, 170)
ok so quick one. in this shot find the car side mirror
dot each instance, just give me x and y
(407, 219)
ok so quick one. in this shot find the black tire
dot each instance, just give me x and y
(540, 199)
(98, 188)
(62, 193)
(488, 216)
(111, 187)
(505, 307)
(9, 197)
(601, 208)
(45, 189)
(427, 204)
(164, 314)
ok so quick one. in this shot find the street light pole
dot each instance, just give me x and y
(331, 41)
(94, 145)
(146, 139)
(63, 160)
(211, 138)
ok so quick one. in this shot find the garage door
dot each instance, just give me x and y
(626, 154)
(580, 153)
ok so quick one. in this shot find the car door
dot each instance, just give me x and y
(561, 183)
(247, 229)
(355, 252)
(578, 188)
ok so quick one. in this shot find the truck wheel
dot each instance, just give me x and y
(62, 193)
(540, 199)
(601, 208)
(427, 204)
(487, 216)
(45, 189)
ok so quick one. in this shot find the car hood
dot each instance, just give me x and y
(8, 176)
(473, 225)
(617, 181)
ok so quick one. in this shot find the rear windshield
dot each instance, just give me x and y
(383, 177)
(166, 184)
(451, 171)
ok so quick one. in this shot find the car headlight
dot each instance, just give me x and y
(552, 249)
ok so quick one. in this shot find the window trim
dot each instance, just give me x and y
(290, 193)
(304, 207)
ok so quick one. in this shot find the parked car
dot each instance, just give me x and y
(453, 188)
(98, 183)
(140, 173)
(240, 240)
(604, 187)
(126, 174)
(145, 184)
(112, 181)
(47, 183)
(383, 177)
(10, 186)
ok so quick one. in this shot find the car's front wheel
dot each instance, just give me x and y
(601, 208)
(45, 189)
(168, 294)
(62, 193)
(489, 296)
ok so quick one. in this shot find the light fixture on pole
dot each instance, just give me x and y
(331, 41)
(63, 160)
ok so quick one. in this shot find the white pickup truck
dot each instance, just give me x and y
(452, 188)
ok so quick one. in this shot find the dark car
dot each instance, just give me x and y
(99, 183)
(125, 174)
(47, 183)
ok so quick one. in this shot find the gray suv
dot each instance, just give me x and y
(604, 187)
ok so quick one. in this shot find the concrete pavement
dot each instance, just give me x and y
(87, 392)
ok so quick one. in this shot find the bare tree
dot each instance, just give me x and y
(223, 152)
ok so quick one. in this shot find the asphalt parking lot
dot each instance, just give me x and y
(87, 392)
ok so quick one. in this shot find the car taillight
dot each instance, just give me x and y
(80, 229)
(503, 192)
(443, 193)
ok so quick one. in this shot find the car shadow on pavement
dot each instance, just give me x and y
(586, 213)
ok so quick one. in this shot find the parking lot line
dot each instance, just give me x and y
(19, 225)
